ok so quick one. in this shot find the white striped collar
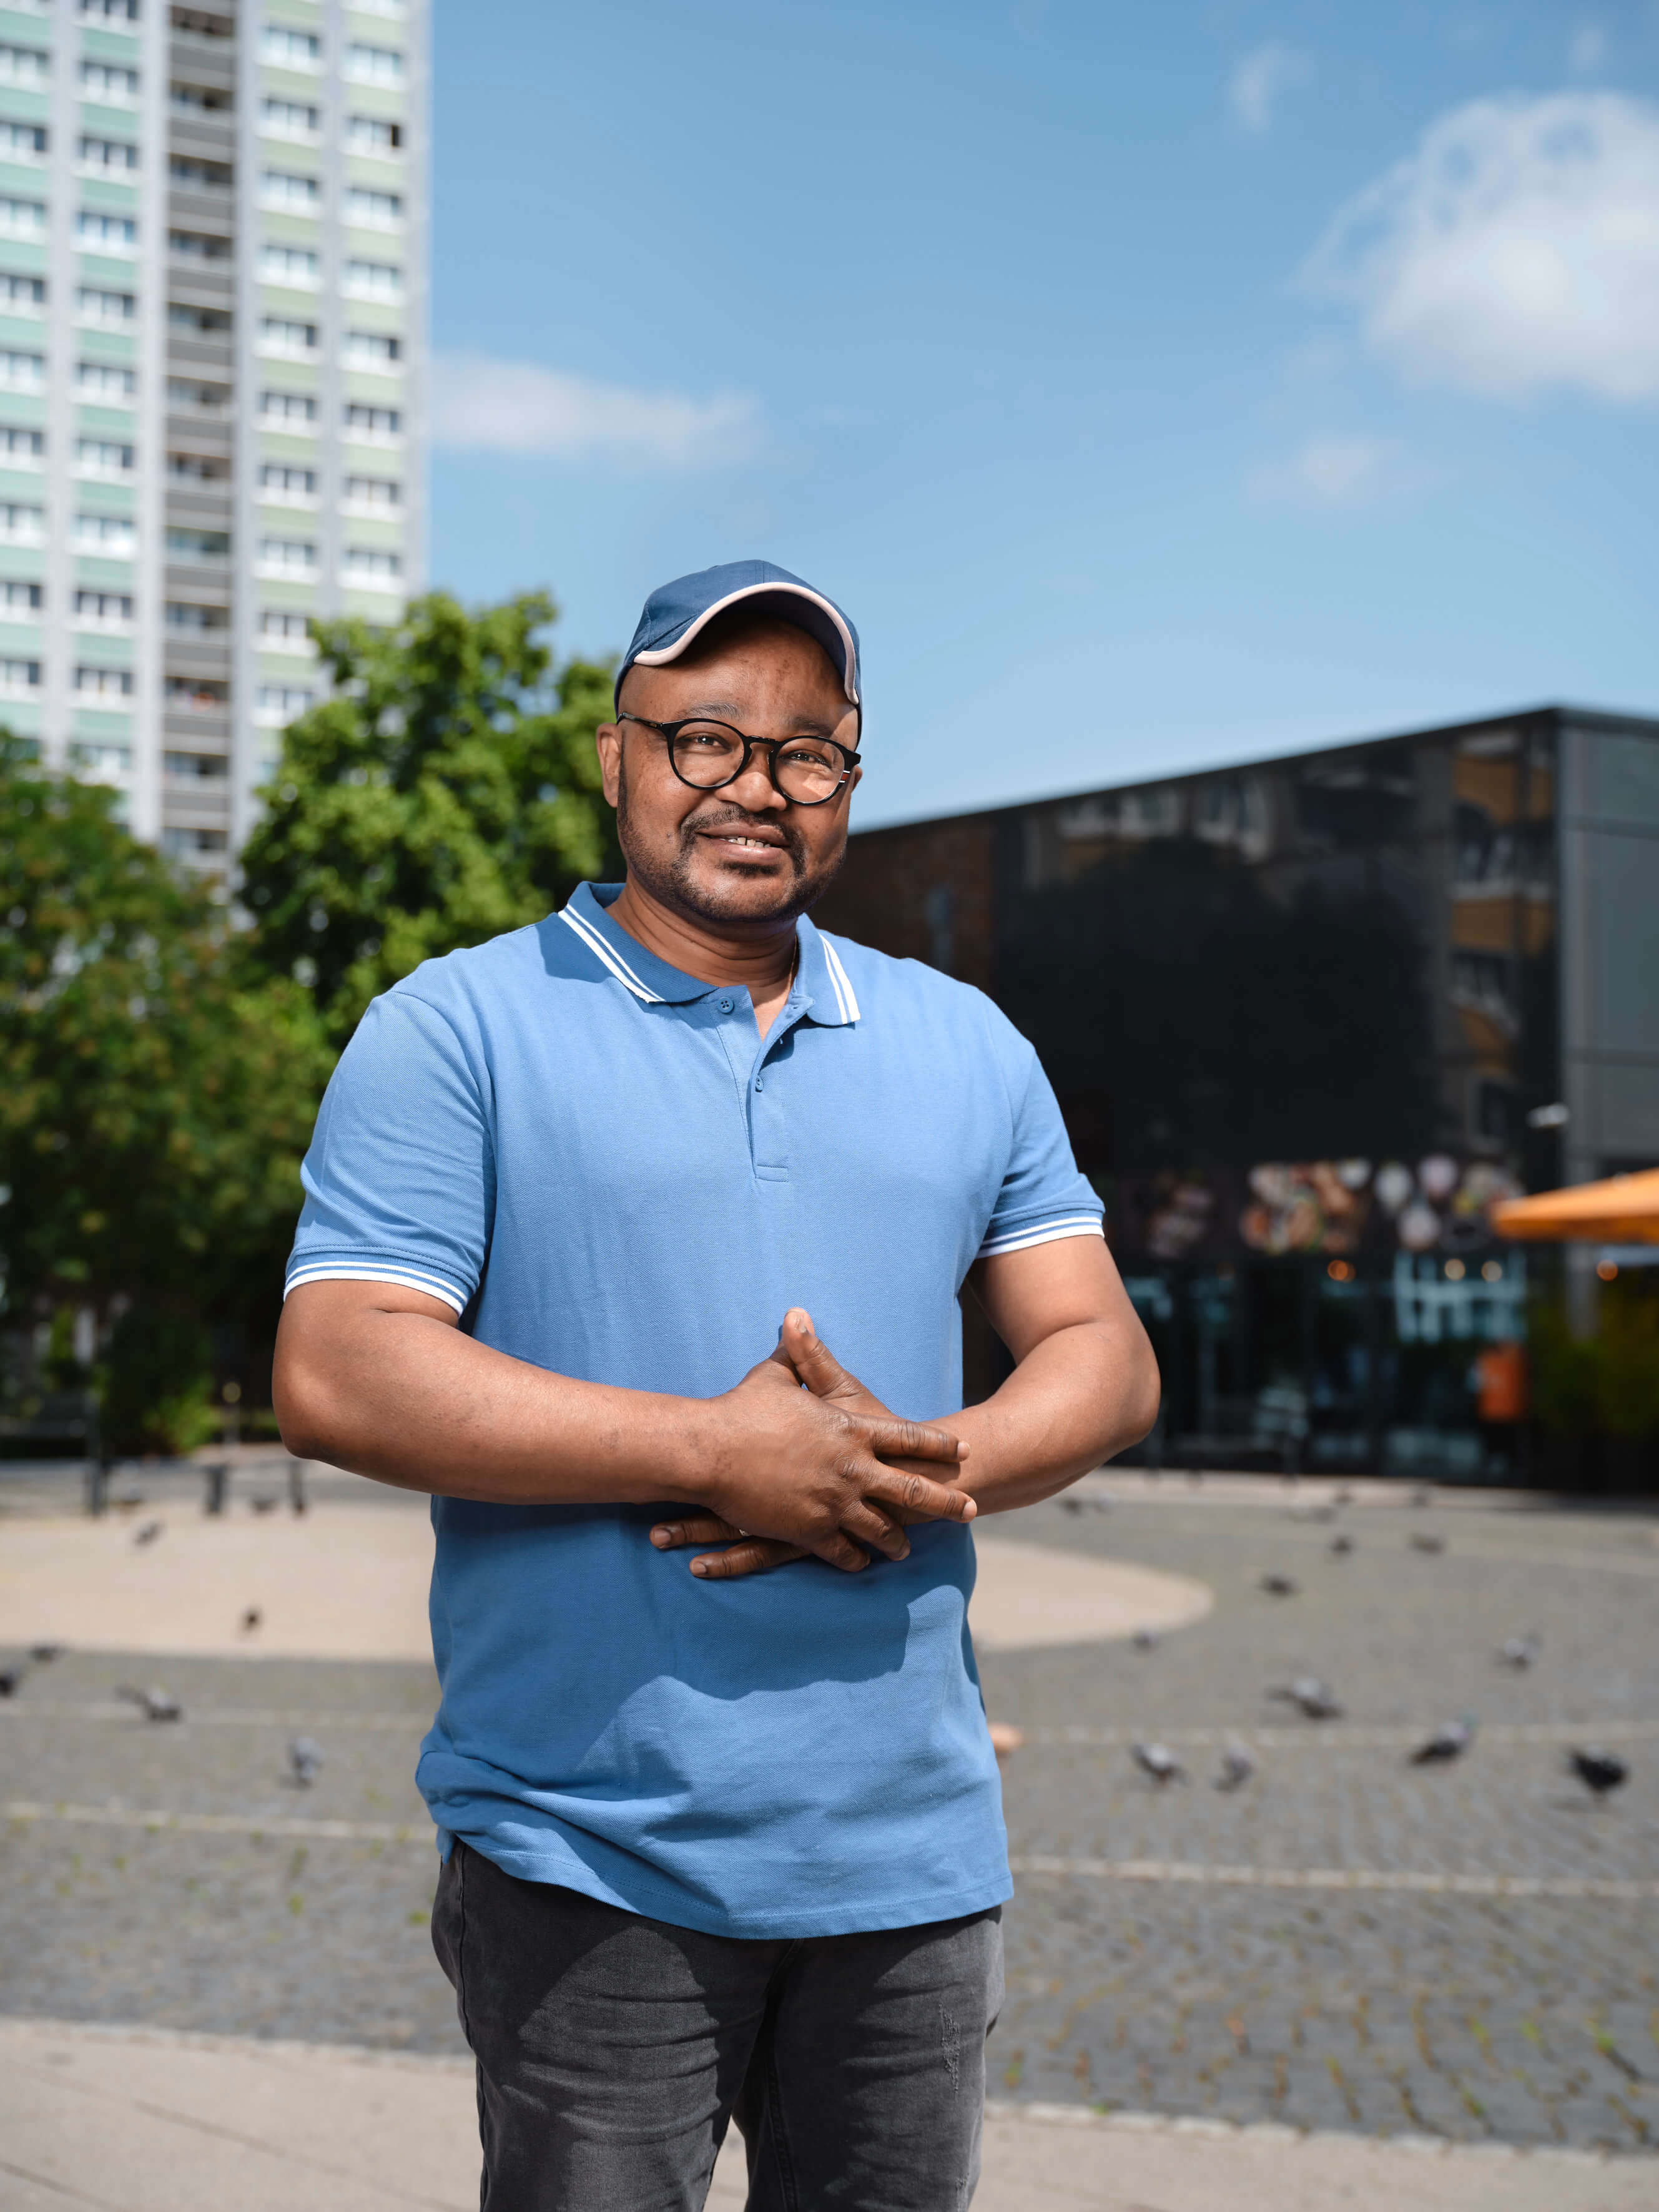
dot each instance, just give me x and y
(832, 1003)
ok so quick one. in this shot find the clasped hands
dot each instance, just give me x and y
(825, 1470)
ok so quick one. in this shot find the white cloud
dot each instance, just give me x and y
(1254, 89)
(1333, 471)
(1587, 49)
(480, 404)
(1514, 251)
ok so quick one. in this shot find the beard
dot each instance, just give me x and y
(702, 894)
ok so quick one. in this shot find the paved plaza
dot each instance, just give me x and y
(1347, 1944)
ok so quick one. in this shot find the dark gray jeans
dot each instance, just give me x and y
(613, 2051)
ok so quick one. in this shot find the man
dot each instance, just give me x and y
(579, 1203)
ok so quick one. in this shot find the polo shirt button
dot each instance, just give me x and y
(759, 1084)
(726, 1005)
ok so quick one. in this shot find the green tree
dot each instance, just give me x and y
(446, 790)
(155, 1104)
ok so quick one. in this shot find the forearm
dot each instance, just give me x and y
(1079, 1397)
(408, 1398)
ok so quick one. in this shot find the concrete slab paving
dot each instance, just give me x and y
(142, 2120)
(348, 1581)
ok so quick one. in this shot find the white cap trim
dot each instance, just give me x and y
(660, 655)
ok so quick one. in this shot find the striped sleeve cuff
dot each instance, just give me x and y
(377, 1271)
(1040, 1232)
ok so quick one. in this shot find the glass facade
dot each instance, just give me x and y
(1305, 1020)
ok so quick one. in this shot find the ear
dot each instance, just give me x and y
(608, 744)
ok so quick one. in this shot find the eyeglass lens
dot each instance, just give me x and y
(808, 769)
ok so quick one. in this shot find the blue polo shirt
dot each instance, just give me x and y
(600, 1164)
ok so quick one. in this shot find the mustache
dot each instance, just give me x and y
(735, 817)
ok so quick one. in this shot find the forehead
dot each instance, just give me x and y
(767, 661)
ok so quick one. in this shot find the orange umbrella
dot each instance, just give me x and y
(1623, 1210)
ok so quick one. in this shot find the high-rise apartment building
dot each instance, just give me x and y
(213, 225)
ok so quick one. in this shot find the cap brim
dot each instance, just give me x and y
(829, 627)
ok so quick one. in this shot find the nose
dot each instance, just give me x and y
(754, 789)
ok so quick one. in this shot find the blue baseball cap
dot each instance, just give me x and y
(676, 613)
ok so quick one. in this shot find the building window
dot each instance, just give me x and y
(21, 524)
(22, 371)
(21, 449)
(290, 119)
(374, 210)
(29, 66)
(202, 25)
(283, 631)
(200, 322)
(382, 425)
(22, 218)
(287, 191)
(108, 157)
(197, 176)
(293, 49)
(289, 408)
(372, 350)
(102, 456)
(194, 695)
(107, 311)
(367, 564)
(373, 134)
(103, 683)
(373, 280)
(22, 295)
(397, 9)
(95, 233)
(21, 598)
(103, 81)
(286, 556)
(187, 397)
(201, 768)
(112, 535)
(199, 98)
(290, 265)
(374, 65)
(103, 610)
(100, 380)
(22, 142)
(287, 487)
(18, 676)
(277, 703)
(110, 11)
(375, 494)
(191, 615)
(198, 544)
(290, 341)
(198, 468)
(197, 246)
(193, 844)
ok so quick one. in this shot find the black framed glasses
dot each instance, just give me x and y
(807, 771)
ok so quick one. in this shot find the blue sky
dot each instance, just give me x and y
(1155, 385)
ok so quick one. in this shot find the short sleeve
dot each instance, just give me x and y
(1043, 1197)
(399, 1179)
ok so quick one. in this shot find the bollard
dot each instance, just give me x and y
(216, 1478)
(296, 1485)
(97, 1486)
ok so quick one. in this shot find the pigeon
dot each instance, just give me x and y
(11, 1680)
(44, 1653)
(1449, 1741)
(263, 1504)
(1519, 1652)
(150, 1532)
(1236, 1767)
(1341, 1545)
(1159, 1761)
(1312, 1697)
(252, 1619)
(1344, 1496)
(304, 1761)
(1423, 1495)
(156, 1704)
(1421, 1542)
(1279, 1585)
(1598, 1770)
(1145, 1640)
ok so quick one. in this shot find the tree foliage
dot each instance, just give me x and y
(154, 1105)
(446, 791)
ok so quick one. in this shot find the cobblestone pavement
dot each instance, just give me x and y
(1177, 1949)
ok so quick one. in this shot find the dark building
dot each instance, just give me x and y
(1306, 1018)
